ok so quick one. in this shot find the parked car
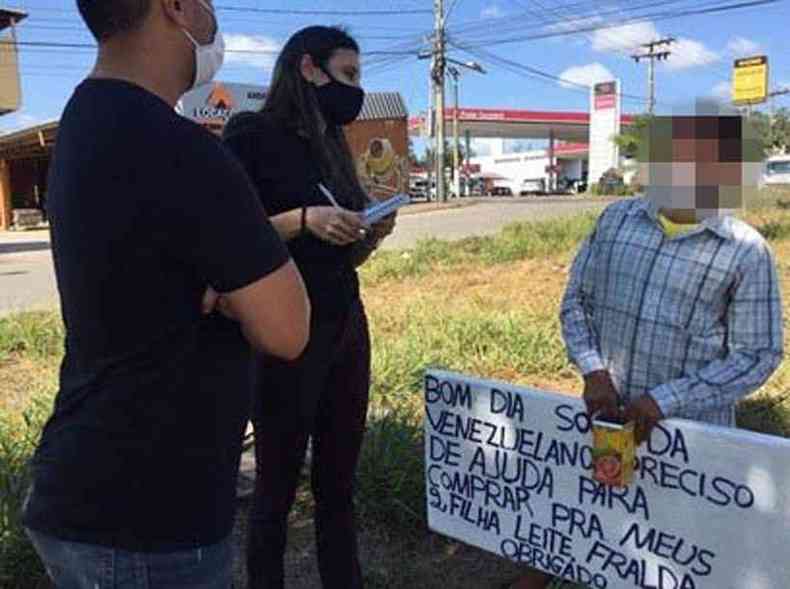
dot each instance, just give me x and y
(476, 189)
(571, 185)
(532, 186)
(418, 189)
(501, 190)
(777, 170)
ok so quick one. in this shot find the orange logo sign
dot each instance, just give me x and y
(220, 98)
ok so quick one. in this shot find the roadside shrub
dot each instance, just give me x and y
(20, 567)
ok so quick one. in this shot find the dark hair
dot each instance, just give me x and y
(292, 100)
(106, 18)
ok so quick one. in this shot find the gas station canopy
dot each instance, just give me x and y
(517, 124)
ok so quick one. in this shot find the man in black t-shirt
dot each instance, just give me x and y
(134, 477)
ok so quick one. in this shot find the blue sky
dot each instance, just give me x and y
(699, 66)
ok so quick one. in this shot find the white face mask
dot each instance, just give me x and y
(208, 58)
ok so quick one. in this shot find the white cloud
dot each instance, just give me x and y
(573, 24)
(722, 91)
(492, 11)
(687, 53)
(585, 74)
(256, 51)
(624, 38)
(743, 47)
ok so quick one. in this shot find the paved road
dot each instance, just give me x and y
(27, 279)
(486, 217)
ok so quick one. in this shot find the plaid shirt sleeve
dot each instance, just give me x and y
(581, 340)
(755, 344)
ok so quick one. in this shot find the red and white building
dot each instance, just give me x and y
(566, 157)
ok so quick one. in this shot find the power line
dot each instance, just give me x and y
(78, 29)
(538, 73)
(496, 26)
(269, 20)
(641, 18)
(306, 12)
(450, 10)
(321, 12)
(485, 23)
(570, 19)
(59, 45)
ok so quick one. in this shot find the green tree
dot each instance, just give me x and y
(773, 130)
(779, 135)
(629, 140)
(414, 161)
(428, 157)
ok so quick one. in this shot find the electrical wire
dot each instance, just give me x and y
(450, 10)
(641, 18)
(571, 19)
(322, 12)
(541, 75)
(286, 11)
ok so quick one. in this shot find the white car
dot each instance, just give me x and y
(777, 170)
(532, 186)
(418, 189)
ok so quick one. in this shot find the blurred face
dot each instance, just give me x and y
(696, 167)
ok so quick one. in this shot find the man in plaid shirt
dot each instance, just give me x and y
(673, 308)
(673, 305)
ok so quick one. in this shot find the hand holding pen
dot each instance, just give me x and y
(335, 224)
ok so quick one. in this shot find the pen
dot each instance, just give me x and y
(325, 191)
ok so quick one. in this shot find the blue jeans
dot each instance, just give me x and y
(73, 565)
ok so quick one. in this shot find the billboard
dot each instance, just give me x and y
(750, 80)
(211, 105)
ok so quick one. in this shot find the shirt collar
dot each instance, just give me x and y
(721, 226)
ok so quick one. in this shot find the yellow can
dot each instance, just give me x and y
(614, 452)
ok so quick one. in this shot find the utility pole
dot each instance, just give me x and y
(439, 70)
(438, 74)
(454, 74)
(653, 55)
(431, 165)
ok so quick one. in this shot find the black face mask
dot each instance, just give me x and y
(340, 103)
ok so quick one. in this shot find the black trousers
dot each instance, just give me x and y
(323, 395)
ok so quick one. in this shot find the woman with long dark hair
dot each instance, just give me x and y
(296, 153)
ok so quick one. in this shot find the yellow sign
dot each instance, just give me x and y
(750, 80)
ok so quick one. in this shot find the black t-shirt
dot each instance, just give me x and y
(280, 163)
(146, 210)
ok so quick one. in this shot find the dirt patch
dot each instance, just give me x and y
(20, 378)
(389, 560)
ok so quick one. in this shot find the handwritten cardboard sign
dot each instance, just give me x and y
(509, 470)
